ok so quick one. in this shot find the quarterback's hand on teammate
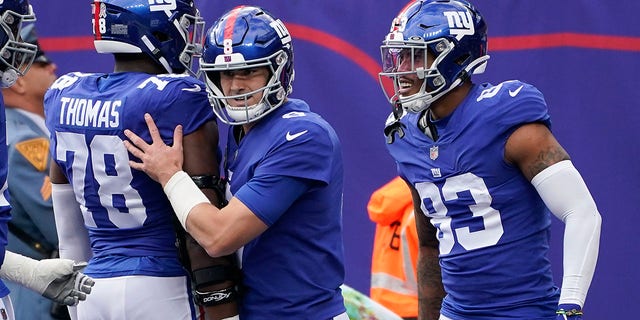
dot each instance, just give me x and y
(65, 283)
(569, 312)
(158, 160)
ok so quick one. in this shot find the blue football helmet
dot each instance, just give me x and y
(451, 32)
(170, 31)
(243, 38)
(16, 56)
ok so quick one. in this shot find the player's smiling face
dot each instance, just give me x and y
(410, 60)
(242, 81)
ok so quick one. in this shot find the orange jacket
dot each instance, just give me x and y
(395, 249)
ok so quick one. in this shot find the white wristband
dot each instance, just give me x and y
(184, 195)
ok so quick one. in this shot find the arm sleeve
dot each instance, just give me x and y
(20, 269)
(72, 235)
(564, 192)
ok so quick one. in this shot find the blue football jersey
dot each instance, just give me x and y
(295, 268)
(492, 226)
(127, 214)
(5, 208)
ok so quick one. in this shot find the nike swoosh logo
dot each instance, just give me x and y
(515, 92)
(295, 135)
(196, 88)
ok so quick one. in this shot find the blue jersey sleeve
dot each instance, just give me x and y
(520, 103)
(268, 197)
(185, 103)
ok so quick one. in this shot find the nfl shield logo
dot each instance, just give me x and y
(433, 152)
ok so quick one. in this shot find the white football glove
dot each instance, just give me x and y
(57, 279)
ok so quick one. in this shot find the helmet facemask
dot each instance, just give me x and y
(434, 85)
(15, 55)
(191, 28)
(409, 61)
(273, 92)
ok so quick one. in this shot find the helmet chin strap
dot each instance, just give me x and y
(415, 106)
(245, 114)
(419, 105)
(9, 77)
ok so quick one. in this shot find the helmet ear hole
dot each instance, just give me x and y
(463, 59)
(162, 37)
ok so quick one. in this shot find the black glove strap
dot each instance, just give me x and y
(214, 275)
(214, 183)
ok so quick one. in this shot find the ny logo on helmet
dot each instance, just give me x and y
(460, 23)
(162, 5)
(282, 31)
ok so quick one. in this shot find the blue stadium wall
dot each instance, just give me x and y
(584, 55)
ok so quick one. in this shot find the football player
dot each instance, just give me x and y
(485, 171)
(285, 168)
(117, 217)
